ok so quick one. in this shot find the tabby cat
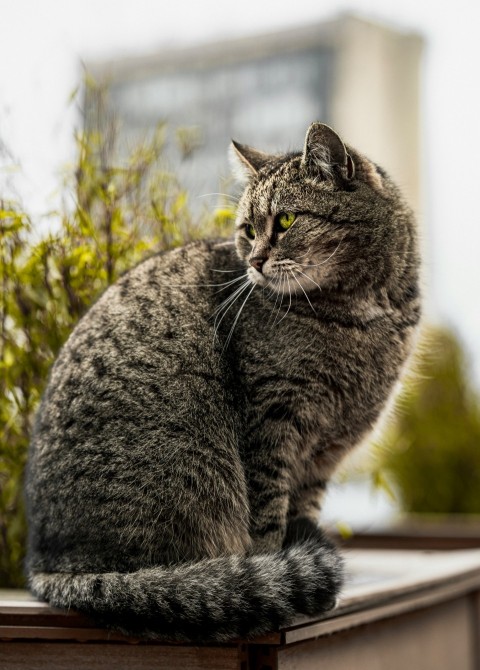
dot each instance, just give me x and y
(196, 413)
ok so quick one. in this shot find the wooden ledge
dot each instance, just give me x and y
(432, 532)
(382, 586)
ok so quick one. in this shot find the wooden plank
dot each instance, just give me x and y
(23, 617)
(420, 532)
(10, 633)
(373, 576)
(306, 630)
(408, 603)
(394, 542)
(376, 579)
(70, 656)
(475, 600)
(384, 578)
(438, 638)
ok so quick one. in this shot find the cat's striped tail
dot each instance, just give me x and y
(213, 600)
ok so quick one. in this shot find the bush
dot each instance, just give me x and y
(116, 215)
(433, 451)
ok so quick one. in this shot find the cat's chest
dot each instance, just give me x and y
(311, 377)
(280, 366)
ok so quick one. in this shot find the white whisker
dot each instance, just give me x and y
(236, 319)
(282, 294)
(224, 195)
(315, 265)
(277, 296)
(272, 290)
(264, 288)
(304, 292)
(290, 302)
(226, 305)
(284, 261)
(210, 284)
(229, 283)
(314, 282)
(307, 252)
(231, 297)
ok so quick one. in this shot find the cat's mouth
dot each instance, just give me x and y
(257, 277)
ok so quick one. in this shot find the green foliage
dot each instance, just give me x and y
(433, 451)
(115, 215)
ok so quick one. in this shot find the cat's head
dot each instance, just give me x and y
(324, 218)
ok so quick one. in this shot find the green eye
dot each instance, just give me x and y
(250, 231)
(285, 219)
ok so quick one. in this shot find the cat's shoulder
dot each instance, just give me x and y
(195, 254)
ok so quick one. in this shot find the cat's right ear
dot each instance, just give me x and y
(324, 152)
(246, 161)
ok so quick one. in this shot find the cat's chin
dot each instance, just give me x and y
(257, 277)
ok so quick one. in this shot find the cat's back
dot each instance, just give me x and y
(119, 395)
(152, 311)
(147, 329)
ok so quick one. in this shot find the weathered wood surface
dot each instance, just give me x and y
(420, 532)
(392, 601)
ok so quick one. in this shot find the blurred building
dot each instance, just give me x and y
(362, 78)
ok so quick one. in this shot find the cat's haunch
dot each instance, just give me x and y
(196, 413)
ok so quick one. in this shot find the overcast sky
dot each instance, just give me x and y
(43, 43)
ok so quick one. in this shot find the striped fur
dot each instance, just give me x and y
(195, 415)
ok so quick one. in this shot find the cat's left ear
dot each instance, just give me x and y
(324, 152)
(246, 161)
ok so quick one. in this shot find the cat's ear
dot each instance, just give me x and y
(324, 151)
(246, 161)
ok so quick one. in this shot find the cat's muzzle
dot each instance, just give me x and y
(257, 277)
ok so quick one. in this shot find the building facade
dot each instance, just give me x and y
(359, 77)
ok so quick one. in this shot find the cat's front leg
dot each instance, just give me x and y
(268, 474)
(307, 497)
(269, 509)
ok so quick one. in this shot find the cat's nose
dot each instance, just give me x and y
(257, 262)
